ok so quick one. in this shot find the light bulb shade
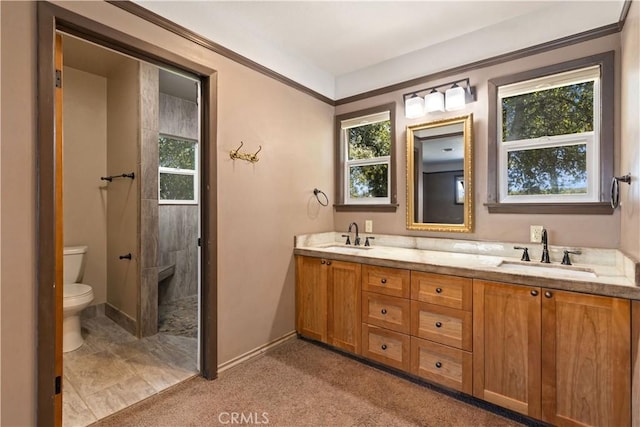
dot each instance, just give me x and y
(454, 98)
(414, 107)
(434, 101)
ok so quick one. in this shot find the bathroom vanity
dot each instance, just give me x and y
(556, 343)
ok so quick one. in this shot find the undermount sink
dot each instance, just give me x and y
(563, 270)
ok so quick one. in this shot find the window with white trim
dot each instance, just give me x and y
(549, 138)
(178, 170)
(366, 145)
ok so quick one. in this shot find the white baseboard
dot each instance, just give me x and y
(255, 352)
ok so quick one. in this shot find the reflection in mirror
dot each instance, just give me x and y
(439, 175)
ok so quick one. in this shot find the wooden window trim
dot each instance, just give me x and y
(606, 62)
(340, 206)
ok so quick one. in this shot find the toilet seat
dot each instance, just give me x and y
(73, 290)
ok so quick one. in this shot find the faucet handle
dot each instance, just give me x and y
(566, 260)
(525, 253)
(348, 242)
(366, 240)
(356, 241)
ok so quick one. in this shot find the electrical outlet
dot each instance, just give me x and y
(368, 226)
(535, 235)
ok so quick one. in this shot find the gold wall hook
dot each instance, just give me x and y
(236, 154)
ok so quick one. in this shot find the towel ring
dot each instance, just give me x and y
(615, 188)
(326, 199)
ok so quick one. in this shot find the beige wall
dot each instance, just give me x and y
(123, 130)
(85, 161)
(630, 133)
(18, 242)
(568, 230)
(261, 206)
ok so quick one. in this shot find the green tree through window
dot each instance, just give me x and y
(369, 142)
(177, 161)
(560, 111)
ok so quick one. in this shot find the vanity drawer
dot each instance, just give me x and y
(448, 291)
(385, 346)
(388, 281)
(441, 364)
(389, 312)
(442, 324)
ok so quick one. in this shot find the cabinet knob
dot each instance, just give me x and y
(534, 293)
(439, 290)
(383, 281)
(383, 311)
(328, 262)
(438, 365)
(323, 261)
(438, 324)
(548, 294)
(384, 346)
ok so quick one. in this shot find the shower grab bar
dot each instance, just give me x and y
(124, 175)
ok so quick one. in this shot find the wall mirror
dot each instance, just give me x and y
(440, 176)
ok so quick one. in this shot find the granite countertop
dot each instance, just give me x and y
(601, 272)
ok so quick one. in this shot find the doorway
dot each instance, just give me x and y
(131, 214)
(52, 19)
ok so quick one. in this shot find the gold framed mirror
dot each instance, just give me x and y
(440, 175)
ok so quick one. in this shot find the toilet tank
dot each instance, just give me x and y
(73, 263)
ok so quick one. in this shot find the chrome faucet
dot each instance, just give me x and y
(545, 247)
(356, 241)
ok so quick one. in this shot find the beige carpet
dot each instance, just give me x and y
(299, 383)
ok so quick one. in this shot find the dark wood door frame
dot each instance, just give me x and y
(51, 19)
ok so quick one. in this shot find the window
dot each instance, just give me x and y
(365, 146)
(178, 178)
(549, 142)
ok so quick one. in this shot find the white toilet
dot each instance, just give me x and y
(77, 296)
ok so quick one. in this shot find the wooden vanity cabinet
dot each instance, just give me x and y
(559, 356)
(311, 297)
(328, 301)
(586, 360)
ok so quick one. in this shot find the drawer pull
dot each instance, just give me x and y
(323, 262)
(439, 290)
(384, 346)
(534, 293)
(548, 294)
(438, 324)
(328, 262)
(383, 281)
(383, 311)
(438, 365)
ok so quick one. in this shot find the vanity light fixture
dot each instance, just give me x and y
(414, 107)
(434, 101)
(454, 98)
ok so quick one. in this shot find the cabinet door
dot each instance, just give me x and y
(586, 365)
(344, 324)
(506, 346)
(311, 297)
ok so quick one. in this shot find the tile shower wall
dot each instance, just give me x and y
(148, 227)
(178, 224)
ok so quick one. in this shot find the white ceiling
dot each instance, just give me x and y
(342, 48)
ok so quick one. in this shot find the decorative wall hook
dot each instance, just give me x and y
(236, 154)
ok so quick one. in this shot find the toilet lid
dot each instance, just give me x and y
(76, 290)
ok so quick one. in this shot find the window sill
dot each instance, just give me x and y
(596, 208)
(366, 208)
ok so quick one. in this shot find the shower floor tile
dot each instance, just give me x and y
(113, 370)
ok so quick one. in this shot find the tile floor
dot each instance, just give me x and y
(113, 370)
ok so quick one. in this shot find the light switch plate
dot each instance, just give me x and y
(535, 235)
(368, 226)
